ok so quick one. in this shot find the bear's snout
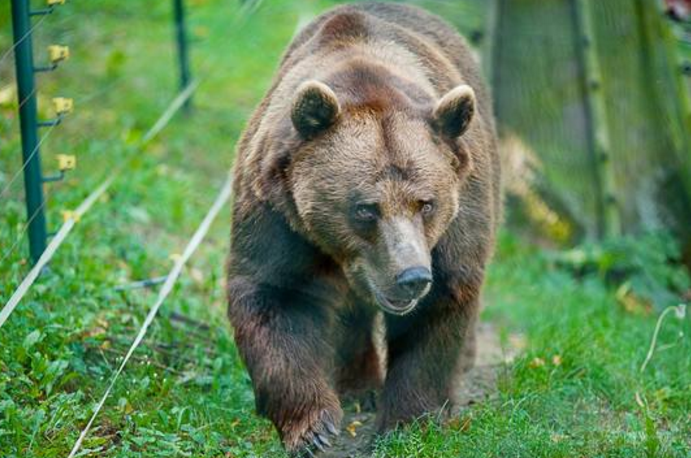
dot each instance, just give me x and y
(400, 266)
(413, 281)
(411, 285)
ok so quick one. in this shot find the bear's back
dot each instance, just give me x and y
(408, 17)
(415, 28)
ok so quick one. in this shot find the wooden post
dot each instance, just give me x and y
(596, 120)
(681, 101)
(490, 39)
(490, 49)
(681, 88)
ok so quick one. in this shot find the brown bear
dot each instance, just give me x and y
(366, 181)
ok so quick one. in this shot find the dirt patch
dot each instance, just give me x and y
(478, 385)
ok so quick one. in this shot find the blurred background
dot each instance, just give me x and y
(593, 102)
(592, 98)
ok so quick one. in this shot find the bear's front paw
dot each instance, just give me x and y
(304, 437)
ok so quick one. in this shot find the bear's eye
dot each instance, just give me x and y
(426, 208)
(366, 212)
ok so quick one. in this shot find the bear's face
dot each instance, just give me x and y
(377, 191)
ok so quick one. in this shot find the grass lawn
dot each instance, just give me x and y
(576, 389)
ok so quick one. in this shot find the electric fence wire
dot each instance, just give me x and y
(26, 99)
(170, 279)
(28, 159)
(245, 13)
(21, 40)
(25, 227)
(82, 102)
(165, 290)
(247, 10)
(86, 205)
(50, 250)
(222, 198)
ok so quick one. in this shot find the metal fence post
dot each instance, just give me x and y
(182, 45)
(26, 90)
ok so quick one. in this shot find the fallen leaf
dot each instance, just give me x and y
(537, 362)
(465, 426)
(352, 428)
(639, 400)
(556, 437)
(96, 331)
(631, 302)
(196, 275)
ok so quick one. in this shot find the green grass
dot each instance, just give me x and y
(586, 404)
(186, 393)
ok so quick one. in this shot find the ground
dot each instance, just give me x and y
(479, 385)
(574, 388)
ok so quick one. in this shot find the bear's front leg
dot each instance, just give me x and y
(284, 341)
(426, 357)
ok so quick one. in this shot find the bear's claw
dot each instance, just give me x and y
(317, 438)
(331, 428)
(324, 440)
(306, 453)
(317, 443)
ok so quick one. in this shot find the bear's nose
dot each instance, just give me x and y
(414, 280)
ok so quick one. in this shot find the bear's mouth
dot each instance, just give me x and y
(393, 306)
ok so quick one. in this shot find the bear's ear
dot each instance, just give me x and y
(454, 111)
(315, 108)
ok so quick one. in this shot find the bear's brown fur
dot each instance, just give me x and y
(367, 180)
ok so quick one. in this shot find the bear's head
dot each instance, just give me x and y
(375, 181)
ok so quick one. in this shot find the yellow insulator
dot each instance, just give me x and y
(58, 53)
(66, 162)
(63, 105)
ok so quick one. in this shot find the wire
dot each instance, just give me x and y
(26, 99)
(35, 271)
(53, 246)
(246, 10)
(28, 159)
(25, 227)
(160, 124)
(21, 40)
(87, 204)
(173, 108)
(82, 102)
(167, 287)
(175, 272)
